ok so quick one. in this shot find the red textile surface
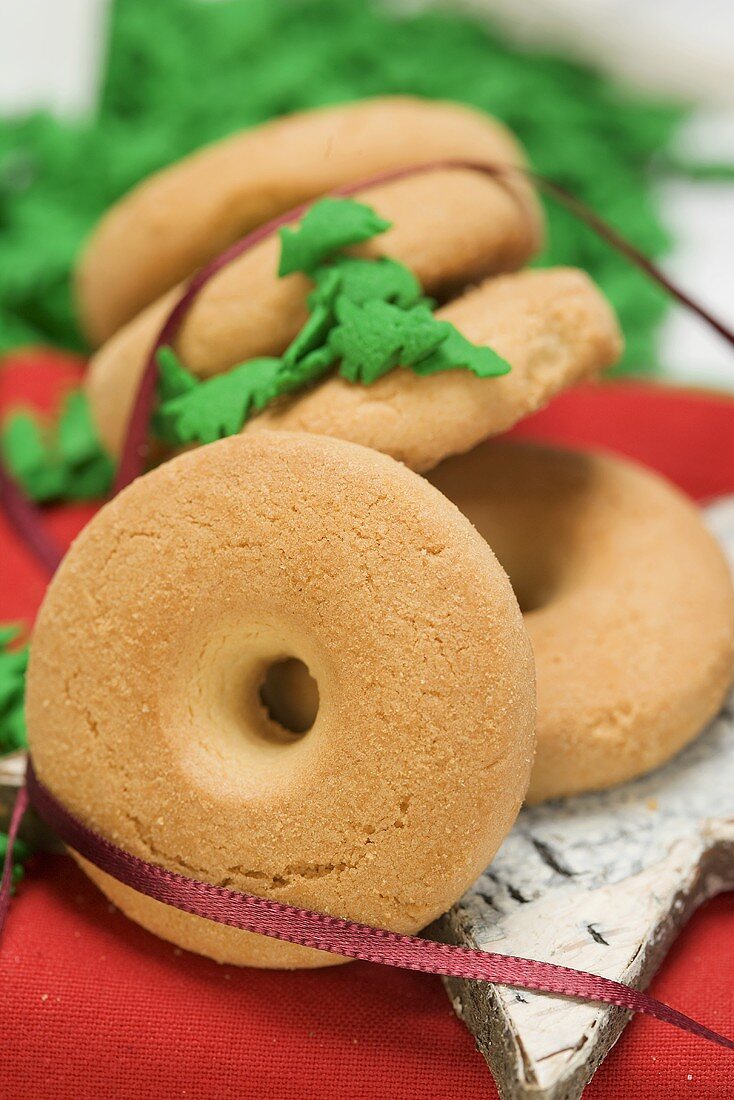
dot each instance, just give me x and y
(93, 1007)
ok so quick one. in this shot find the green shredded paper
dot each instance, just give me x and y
(327, 226)
(13, 664)
(62, 461)
(181, 73)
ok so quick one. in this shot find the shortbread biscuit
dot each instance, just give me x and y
(553, 326)
(184, 215)
(627, 598)
(146, 720)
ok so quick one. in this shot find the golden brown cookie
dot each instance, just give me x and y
(553, 326)
(145, 715)
(183, 216)
(627, 598)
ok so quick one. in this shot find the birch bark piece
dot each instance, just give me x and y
(600, 882)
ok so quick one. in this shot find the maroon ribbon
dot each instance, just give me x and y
(262, 915)
(6, 881)
(25, 519)
(334, 934)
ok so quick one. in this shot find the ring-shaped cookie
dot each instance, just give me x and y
(628, 601)
(179, 218)
(553, 327)
(144, 704)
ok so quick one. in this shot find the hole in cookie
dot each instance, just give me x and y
(528, 539)
(290, 696)
(531, 594)
(529, 565)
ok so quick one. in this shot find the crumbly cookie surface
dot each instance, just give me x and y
(183, 216)
(628, 602)
(143, 707)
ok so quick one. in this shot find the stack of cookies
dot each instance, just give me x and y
(326, 658)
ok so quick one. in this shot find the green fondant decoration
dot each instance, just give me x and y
(173, 378)
(373, 338)
(309, 369)
(220, 406)
(173, 381)
(87, 468)
(313, 335)
(327, 282)
(30, 458)
(457, 353)
(367, 314)
(363, 281)
(89, 481)
(360, 281)
(326, 227)
(76, 435)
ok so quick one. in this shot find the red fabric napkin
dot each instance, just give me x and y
(94, 1007)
